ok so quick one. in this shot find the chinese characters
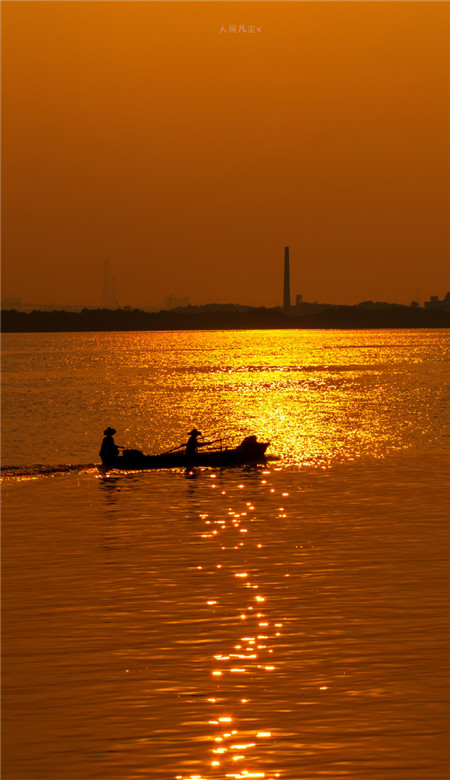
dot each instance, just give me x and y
(240, 28)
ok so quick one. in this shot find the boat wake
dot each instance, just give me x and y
(35, 471)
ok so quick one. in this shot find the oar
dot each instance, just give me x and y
(180, 446)
(230, 438)
(221, 437)
(221, 440)
(207, 443)
(174, 449)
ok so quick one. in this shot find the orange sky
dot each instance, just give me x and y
(138, 132)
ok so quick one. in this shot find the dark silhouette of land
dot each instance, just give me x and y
(229, 317)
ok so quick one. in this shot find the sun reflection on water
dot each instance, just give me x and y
(238, 668)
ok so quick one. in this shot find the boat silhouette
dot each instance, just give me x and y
(248, 452)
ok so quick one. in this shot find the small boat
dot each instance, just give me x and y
(248, 452)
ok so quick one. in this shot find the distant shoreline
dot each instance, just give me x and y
(332, 317)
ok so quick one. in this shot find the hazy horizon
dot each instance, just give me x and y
(15, 302)
(11, 301)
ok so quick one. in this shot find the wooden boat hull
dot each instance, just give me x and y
(240, 456)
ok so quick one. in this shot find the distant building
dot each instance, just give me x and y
(435, 303)
(298, 300)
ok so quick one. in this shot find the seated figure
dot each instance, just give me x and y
(109, 450)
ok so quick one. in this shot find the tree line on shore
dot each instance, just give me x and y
(346, 317)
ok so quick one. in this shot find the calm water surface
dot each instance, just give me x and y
(289, 620)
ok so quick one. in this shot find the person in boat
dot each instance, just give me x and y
(192, 443)
(109, 449)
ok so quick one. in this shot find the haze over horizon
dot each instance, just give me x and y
(189, 155)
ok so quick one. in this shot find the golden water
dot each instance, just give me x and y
(283, 621)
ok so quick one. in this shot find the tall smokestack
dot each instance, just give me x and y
(287, 281)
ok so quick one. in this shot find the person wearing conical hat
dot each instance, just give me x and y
(109, 450)
(192, 444)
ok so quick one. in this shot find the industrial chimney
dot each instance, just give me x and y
(287, 281)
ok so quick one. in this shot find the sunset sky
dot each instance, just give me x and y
(189, 155)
